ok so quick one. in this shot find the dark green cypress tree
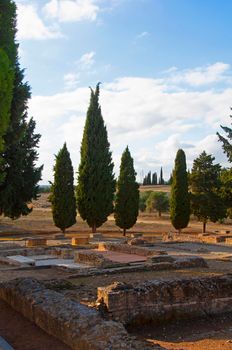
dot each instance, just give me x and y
(96, 184)
(149, 178)
(180, 200)
(62, 191)
(161, 180)
(20, 183)
(127, 195)
(154, 179)
(6, 88)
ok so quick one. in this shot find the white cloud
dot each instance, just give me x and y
(142, 35)
(141, 112)
(71, 80)
(31, 26)
(71, 10)
(87, 60)
(201, 75)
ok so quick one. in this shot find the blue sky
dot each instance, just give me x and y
(165, 68)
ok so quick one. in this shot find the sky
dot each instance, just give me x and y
(164, 65)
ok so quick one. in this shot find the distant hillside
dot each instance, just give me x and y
(155, 188)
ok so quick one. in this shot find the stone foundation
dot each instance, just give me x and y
(126, 248)
(93, 259)
(36, 242)
(80, 327)
(210, 238)
(157, 301)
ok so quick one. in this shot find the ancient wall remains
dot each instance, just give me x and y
(156, 301)
(94, 258)
(80, 327)
(126, 248)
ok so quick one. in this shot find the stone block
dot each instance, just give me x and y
(136, 241)
(160, 258)
(36, 242)
(80, 240)
(93, 258)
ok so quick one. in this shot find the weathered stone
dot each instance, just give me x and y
(160, 258)
(136, 241)
(80, 327)
(125, 248)
(36, 242)
(80, 240)
(93, 258)
(157, 301)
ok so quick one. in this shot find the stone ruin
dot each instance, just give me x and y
(223, 236)
(157, 301)
(77, 325)
(86, 328)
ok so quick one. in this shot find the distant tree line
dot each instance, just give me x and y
(151, 179)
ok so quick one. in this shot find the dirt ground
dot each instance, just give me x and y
(212, 334)
(21, 334)
(40, 222)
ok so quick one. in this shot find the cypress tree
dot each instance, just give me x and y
(180, 201)
(6, 87)
(227, 141)
(62, 191)
(21, 178)
(154, 179)
(161, 180)
(127, 195)
(149, 178)
(96, 184)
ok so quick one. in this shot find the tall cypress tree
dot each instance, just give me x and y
(161, 180)
(6, 87)
(20, 183)
(62, 191)
(127, 195)
(96, 184)
(180, 200)
(154, 178)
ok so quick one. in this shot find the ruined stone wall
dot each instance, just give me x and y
(126, 248)
(94, 258)
(156, 301)
(80, 327)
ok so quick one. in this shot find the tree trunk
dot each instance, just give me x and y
(159, 214)
(63, 231)
(94, 229)
(124, 232)
(179, 231)
(204, 226)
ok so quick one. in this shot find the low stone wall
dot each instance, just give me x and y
(156, 301)
(179, 237)
(126, 248)
(210, 238)
(94, 258)
(80, 327)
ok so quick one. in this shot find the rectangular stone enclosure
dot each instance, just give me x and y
(156, 301)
